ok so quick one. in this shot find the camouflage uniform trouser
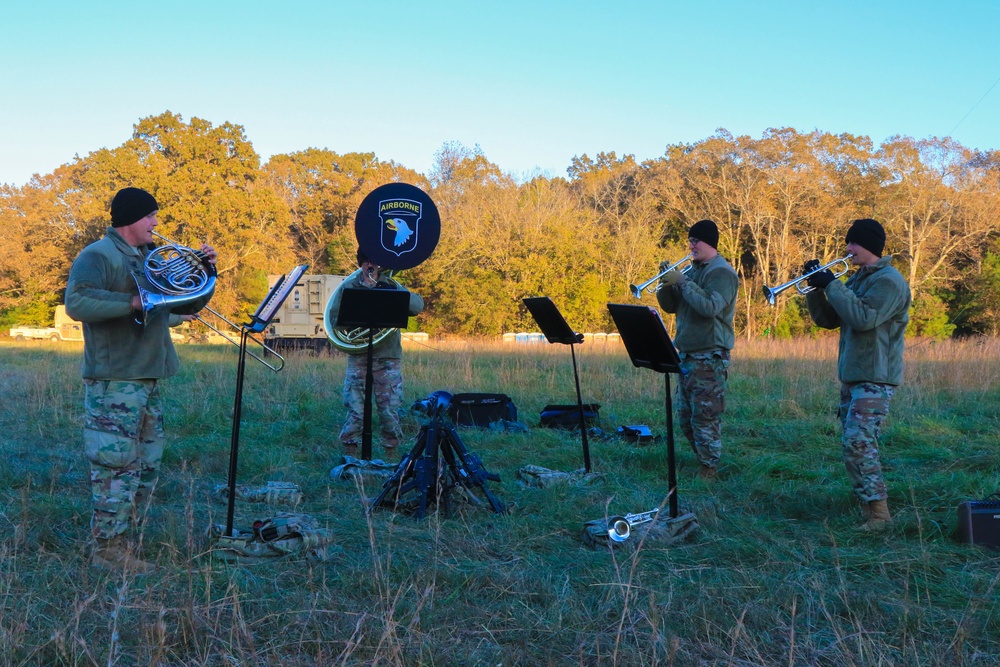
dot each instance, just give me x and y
(863, 409)
(387, 395)
(701, 400)
(123, 440)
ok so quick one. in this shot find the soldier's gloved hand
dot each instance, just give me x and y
(809, 266)
(673, 277)
(821, 280)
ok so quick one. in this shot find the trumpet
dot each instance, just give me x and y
(182, 276)
(637, 290)
(800, 283)
(620, 527)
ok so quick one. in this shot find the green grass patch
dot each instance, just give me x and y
(777, 574)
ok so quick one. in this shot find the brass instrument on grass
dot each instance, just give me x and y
(800, 283)
(620, 527)
(637, 290)
(181, 275)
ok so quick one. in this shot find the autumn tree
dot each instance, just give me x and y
(322, 192)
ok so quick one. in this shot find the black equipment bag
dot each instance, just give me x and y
(481, 409)
(568, 416)
(979, 522)
(637, 433)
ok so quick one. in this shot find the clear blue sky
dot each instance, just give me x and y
(532, 83)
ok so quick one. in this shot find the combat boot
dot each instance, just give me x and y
(116, 555)
(707, 473)
(876, 515)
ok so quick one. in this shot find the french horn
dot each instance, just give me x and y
(353, 340)
(181, 275)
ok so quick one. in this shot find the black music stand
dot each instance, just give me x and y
(374, 309)
(265, 312)
(556, 330)
(649, 346)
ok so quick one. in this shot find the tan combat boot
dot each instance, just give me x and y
(707, 473)
(876, 515)
(116, 555)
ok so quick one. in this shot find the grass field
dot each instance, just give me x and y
(778, 573)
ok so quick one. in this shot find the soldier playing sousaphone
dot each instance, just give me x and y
(387, 364)
(397, 227)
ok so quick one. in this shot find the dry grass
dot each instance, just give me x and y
(777, 575)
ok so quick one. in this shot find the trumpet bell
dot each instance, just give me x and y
(770, 295)
(619, 529)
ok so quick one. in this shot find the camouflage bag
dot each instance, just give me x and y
(353, 467)
(274, 538)
(273, 493)
(538, 477)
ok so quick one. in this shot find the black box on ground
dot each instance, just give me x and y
(478, 409)
(979, 523)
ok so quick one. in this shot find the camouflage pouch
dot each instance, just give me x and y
(273, 493)
(274, 538)
(540, 478)
(353, 467)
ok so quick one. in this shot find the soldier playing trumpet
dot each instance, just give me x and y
(704, 299)
(872, 311)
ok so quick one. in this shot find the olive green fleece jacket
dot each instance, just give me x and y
(705, 304)
(391, 347)
(872, 311)
(99, 294)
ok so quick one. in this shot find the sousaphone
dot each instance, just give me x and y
(397, 227)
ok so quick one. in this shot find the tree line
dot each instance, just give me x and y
(580, 239)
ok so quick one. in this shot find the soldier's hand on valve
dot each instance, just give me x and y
(673, 277)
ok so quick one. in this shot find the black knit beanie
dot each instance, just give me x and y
(868, 234)
(705, 230)
(131, 205)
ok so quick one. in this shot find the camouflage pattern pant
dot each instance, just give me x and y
(863, 409)
(123, 440)
(701, 401)
(387, 395)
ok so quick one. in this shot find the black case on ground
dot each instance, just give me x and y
(476, 409)
(568, 416)
(979, 523)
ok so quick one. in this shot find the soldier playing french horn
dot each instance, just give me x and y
(122, 366)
